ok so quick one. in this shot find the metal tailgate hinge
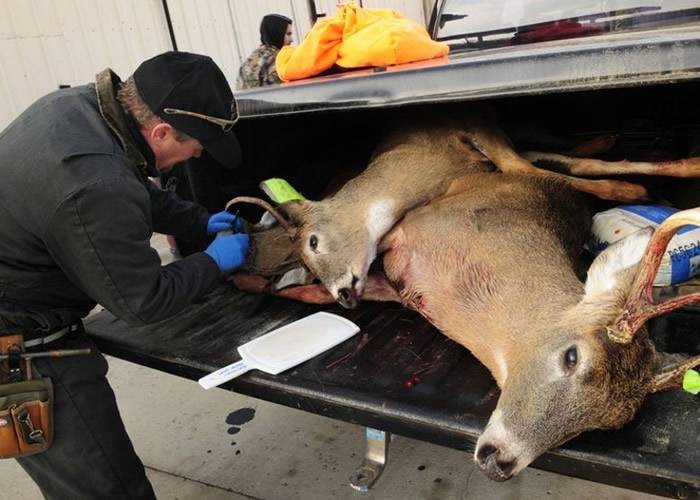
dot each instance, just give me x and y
(374, 462)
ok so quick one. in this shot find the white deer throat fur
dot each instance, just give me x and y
(379, 219)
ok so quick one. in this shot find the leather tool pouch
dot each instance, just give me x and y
(26, 406)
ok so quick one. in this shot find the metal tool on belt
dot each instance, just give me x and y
(46, 354)
(16, 363)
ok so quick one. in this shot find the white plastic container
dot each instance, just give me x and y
(680, 262)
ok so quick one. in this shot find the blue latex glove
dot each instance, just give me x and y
(229, 251)
(220, 221)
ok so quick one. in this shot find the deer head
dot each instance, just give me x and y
(594, 365)
(336, 249)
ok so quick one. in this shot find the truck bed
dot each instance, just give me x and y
(364, 381)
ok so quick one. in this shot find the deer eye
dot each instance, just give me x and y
(313, 242)
(570, 357)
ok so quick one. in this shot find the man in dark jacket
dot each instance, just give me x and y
(77, 212)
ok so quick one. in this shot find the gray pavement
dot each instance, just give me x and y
(186, 438)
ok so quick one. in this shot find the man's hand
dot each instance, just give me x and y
(223, 221)
(229, 251)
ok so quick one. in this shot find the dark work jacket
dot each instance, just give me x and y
(77, 213)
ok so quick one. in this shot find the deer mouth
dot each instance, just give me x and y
(347, 298)
(492, 463)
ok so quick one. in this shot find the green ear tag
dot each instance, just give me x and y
(691, 382)
(280, 191)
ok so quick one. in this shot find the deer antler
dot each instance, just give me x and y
(261, 203)
(640, 306)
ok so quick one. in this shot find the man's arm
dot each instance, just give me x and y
(183, 219)
(100, 237)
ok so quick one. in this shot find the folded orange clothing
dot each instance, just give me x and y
(356, 37)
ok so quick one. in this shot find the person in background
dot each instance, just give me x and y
(259, 69)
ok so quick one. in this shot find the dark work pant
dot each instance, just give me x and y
(91, 456)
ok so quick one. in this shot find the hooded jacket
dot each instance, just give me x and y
(77, 212)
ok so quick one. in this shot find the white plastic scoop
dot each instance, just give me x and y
(286, 347)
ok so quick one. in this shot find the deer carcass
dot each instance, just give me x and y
(493, 265)
(505, 286)
(337, 238)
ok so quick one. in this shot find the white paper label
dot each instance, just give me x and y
(224, 374)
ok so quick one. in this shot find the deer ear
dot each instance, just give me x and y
(614, 267)
(294, 210)
(669, 370)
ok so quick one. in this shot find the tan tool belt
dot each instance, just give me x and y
(26, 403)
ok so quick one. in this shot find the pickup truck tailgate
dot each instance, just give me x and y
(399, 374)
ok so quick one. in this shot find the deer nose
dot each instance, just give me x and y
(489, 460)
(347, 298)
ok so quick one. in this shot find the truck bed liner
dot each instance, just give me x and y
(363, 381)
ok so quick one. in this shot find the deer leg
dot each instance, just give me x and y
(253, 283)
(311, 294)
(493, 143)
(540, 138)
(377, 289)
(689, 167)
(593, 146)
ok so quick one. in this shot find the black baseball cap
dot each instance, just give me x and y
(190, 92)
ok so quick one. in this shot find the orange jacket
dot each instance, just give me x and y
(355, 38)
